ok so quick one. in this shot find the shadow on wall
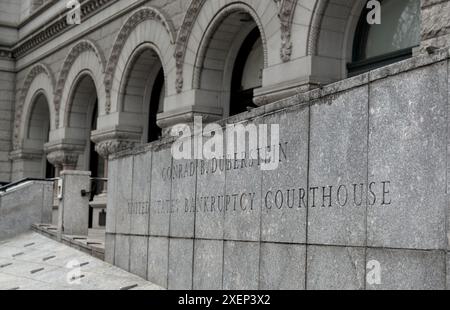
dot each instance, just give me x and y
(26, 204)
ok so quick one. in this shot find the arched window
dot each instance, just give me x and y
(390, 41)
(247, 73)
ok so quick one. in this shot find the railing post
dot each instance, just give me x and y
(73, 216)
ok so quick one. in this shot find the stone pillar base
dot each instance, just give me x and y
(74, 206)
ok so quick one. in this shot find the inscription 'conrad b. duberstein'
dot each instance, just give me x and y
(246, 160)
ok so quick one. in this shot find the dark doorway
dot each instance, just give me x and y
(154, 132)
(242, 99)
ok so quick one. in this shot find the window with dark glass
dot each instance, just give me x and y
(391, 41)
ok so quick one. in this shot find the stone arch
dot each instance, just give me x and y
(219, 49)
(83, 57)
(140, 85)
(84, 90)
(215, 23)
(340, 24)
(198, 20)
(38, 80)
(132, 35)
(80, 113)
(37, 123)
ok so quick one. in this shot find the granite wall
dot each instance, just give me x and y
(359, 200)
(23, 206)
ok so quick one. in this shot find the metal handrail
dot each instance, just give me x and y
(10, 185)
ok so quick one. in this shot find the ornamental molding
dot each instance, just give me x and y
(109, 147)
(114, 140)
(48, 33)
(63, 158)
(182, 39)
(6, 53)
(286, 10)
(23, 154)
(62, 154)
(75, 52)
(32, 74)
(139, 16)
(314, 31)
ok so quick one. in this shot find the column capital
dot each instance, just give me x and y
(109, 147)
(114, 140)
(63, 155)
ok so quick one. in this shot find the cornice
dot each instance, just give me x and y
(6, 53)
(58, 26)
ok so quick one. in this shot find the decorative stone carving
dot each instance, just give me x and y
(183, 37)
(63, 156)
(136, 18)
(314, 29)
(286, 10)
(34, 72)
(77, 50)
(109, 147)
(6, 53)
(63, 159)
(112, 141)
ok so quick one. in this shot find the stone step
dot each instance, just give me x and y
(93, 245)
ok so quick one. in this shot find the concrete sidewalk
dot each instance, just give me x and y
(34, 262)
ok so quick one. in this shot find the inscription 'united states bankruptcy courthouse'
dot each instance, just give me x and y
(351, 194)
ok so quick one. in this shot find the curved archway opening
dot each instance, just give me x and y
(143, 92)
(37, 134)
(231, 65)
(82, 121)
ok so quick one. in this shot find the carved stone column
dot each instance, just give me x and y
(108, 142)
(109, 147)
(63, 156)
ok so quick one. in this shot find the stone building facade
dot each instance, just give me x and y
(74, 95)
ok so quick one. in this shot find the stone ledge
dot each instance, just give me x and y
(93, 248)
